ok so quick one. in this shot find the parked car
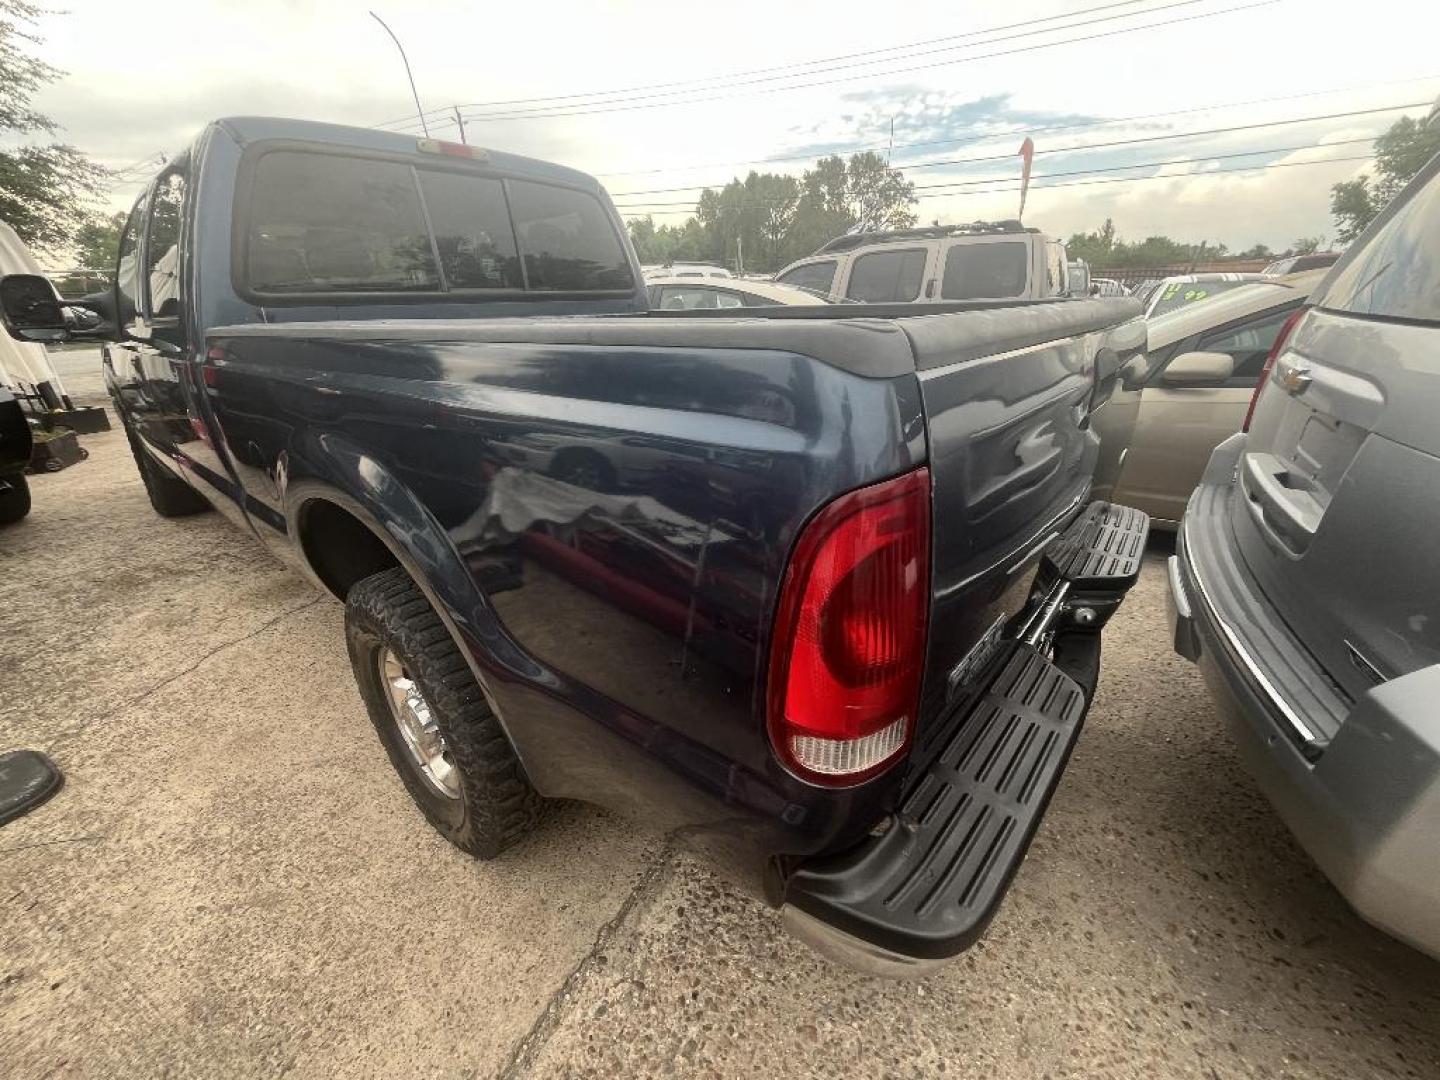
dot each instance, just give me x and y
(1104, 286)
(1305, 582)
(1296, 264)
(1189, 394)
(687, 294)
(1181, 289)
(802, 617)
(15, 442)
(687, 270)
(1144, 289)
(980, 261)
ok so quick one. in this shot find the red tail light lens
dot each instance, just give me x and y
(849, 643)
(1275, 350)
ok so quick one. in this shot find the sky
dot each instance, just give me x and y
(659, 100)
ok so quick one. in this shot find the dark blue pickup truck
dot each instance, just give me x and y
(816, 589)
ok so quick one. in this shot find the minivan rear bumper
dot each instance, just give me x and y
(1365, 802)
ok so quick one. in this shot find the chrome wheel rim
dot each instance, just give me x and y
(419, 732)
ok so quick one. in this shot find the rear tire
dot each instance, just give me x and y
(491, 804)
(14, 499)
(169, 495)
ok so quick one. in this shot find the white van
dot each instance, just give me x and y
(979, 261)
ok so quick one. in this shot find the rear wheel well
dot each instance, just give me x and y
(340, 548)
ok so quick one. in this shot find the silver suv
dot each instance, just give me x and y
(980, 261)
(1305, 580)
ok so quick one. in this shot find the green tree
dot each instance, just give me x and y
(46, 188)
(1307, 245)
(1400, 153)
(97, 241)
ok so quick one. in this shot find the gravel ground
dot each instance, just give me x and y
(232, 883)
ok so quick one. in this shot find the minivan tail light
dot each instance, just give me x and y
(849, 642)
(1275, 350)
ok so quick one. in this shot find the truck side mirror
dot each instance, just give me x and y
(30, 308)
(1199, 369)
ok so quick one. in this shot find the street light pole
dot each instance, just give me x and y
(406, 60)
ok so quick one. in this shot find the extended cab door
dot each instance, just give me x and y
(1180, 422)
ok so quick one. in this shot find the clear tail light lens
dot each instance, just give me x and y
(848, 650)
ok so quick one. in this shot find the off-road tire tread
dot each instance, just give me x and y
(501, 806)
(169, 496)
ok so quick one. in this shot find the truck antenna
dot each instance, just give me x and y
(406, 61)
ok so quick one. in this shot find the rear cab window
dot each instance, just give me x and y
(985, 271)
(321, 223)
(1396, 275)
(162, 247)
(886, 277)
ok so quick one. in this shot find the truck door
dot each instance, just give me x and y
(153, 345)
(122, 372)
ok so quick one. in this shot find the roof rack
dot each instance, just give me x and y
(852, 241)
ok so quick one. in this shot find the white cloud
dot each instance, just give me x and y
(144, 75)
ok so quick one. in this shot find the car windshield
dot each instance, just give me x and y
(1177, 295)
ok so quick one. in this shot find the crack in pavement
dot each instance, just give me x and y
(69, 733)
(530, 1044)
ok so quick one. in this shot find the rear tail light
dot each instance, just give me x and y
(849, 643)
(1275, 350)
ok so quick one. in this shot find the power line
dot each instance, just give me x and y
(795, 66)
(860, 148)
(543, 114)
(1101, 146)
(1081, 172)
(1090, 183)
(791, 71)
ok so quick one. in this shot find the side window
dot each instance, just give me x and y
(887, 277)
(681, 298)
(127, 269)
(1248, 344)
(566, 239)
(990, 271)
(818, 277)
(472, 231)
(750, 299)
(327, 223)
(162, 248)
(1055, 276)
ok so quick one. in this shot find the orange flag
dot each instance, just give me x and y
(1027, 151)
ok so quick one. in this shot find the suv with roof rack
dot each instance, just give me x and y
(982, 260)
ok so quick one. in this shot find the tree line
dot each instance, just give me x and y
(1106, 248)
(770, 219)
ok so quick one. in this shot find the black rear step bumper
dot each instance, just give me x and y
(926, 889)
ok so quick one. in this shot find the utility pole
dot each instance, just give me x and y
(891, 146)
(460, 123)
(740, 254)
(406, 61)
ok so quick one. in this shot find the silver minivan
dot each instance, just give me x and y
(1306, 583)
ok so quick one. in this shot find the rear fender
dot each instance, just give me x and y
(329, 468)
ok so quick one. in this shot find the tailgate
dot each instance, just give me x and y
(1007, 396)
(1337, 496)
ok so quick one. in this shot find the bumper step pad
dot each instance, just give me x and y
(1102, 549)
(928, 887)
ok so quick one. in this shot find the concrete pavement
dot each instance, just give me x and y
(233, 882)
